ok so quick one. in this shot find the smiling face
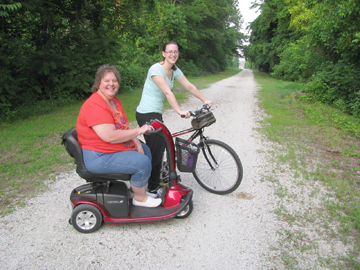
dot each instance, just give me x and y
(171, 53)
(108, 87)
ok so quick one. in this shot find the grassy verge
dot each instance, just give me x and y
(316, 176)
(31, 152)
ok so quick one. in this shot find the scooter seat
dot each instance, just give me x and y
(72, 146)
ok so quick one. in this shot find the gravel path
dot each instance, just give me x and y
(234, 231)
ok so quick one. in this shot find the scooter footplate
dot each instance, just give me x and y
(158, 214)
(145, 215)
(144, 212)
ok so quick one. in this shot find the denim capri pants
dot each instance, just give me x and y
(126, 162)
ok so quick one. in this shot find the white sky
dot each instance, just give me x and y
(248, 14)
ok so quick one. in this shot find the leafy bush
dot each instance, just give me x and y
(338, 85)
(133, 67)
(132, 76)
(50, 53)
(297, 62)
(189, 68)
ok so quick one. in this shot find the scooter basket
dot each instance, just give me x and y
(187, 154)
(203, 120)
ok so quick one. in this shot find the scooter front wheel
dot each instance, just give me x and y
(186, 211)
(86, 218)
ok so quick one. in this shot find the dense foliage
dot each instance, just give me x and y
(316, 41)
(50, 50)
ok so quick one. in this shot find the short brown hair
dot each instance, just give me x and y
(102, 70)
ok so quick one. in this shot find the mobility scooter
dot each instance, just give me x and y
(105, 198)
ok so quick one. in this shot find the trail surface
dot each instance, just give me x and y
(234, 231)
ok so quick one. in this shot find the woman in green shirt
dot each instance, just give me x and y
(158, 85)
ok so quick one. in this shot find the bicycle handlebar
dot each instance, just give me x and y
(198, 111)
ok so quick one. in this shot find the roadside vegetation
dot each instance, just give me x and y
(316, 176)
(30, 149)
(49, 54)
(311, 41)
(316, 148)
(50, 50)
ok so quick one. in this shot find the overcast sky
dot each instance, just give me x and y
(248, 14)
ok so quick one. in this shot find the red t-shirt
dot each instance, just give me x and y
(95, 111)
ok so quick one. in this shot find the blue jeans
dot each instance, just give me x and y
(126, 162)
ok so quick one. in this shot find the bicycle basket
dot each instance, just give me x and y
(203, 120)
(187, 154)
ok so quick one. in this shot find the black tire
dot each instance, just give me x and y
(227, 172)
(186, 211)
(86, 218)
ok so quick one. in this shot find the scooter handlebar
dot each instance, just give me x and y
(154, 131)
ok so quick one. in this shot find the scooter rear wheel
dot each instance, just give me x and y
(86, 218)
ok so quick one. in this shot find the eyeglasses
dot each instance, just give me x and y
(173, 52)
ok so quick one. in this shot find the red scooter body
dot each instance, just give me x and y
(106, 199)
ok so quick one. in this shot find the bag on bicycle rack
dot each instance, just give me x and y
(187, 154)
(203, 120)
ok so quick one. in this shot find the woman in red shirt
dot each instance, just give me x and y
(108, 144)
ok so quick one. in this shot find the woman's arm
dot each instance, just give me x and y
(192, 89)
(164, 87)
(139, 147)
(109, 133)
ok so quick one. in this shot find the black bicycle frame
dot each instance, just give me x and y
(196, 134)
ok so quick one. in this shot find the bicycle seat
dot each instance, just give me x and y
(72, 146)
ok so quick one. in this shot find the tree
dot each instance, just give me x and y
(48, 47)
(311, 40)
(8, 7)
(213, 32)
(50, 50)
(270, 34)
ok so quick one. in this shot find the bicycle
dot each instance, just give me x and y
(218, 168)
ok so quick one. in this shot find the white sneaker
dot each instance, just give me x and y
(150, 202)
(152, 195)
(155, 193)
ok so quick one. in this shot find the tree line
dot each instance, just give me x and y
(50, 50)
(312, 41)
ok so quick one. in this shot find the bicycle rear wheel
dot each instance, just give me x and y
(218, 168)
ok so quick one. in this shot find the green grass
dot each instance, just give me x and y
(31, 152)
(316, 144)
(320, 146)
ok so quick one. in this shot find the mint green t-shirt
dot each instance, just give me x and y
(152, 97)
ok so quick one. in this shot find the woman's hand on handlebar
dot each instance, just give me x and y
(145, 128)
(208, 102)
(185, 114)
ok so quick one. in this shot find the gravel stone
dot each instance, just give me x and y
(234, 231)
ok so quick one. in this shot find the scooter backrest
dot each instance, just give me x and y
(72, 146)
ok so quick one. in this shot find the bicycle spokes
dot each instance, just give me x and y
(209, 157)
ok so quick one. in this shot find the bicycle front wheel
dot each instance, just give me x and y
(218, 168)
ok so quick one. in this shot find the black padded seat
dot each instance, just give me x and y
(72, 146)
